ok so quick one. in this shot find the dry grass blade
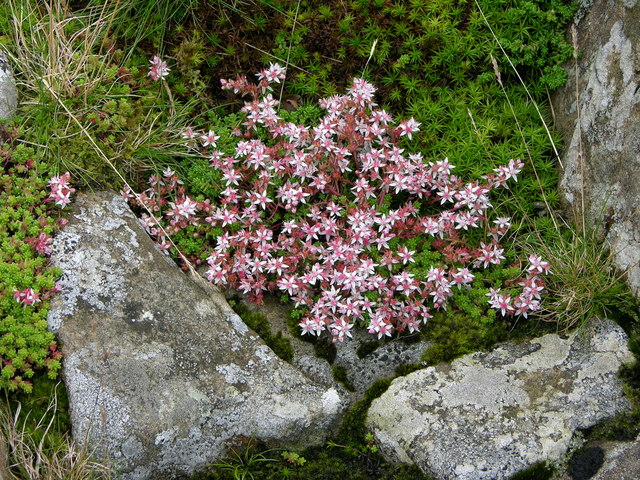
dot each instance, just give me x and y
(535, 104)
(30, 458)
(53, 46)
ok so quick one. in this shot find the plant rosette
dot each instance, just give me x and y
(323, 214)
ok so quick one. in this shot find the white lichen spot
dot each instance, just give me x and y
(232, 373)
(132, 449)
(166, 436)
(238, 324)
(102, 416)
(197, 395)
(330, 402)
(286, 408)
(264, 353)
(465, 469)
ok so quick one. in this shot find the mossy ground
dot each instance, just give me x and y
(432, 60)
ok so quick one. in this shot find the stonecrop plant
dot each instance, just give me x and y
(324, 215)
(29, 217)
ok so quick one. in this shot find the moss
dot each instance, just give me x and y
(324, 348)
(352, 429)
(538, 471)
(367, 347)
(407, 368)
(454, 335)
(259, 323)
(340, 375)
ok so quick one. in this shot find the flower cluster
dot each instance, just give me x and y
(26, 297)
(61, 190)
(529, 299)
(321, 213)
(60, 194)
(158, 69)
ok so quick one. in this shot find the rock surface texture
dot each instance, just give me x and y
(160, 371)
(490, 415)
(361, 373)
(602, 128)
(381, 363)
(605, 461)
(621, 461)
(8, 91)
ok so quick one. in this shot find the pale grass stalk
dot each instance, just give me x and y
(293, 28)
(29, 459)
(535, 104)
(194, 274)
(524, 142)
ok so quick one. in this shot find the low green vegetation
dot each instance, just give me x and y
(27, 223)
(538, 471)
(258, 322)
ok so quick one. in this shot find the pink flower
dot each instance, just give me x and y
(489, 254)
(408, 127)
(209, 139)
(273, 74)
(537, 266)
(158, 69)
(188, 133)
(61, 190)
(500, 302)
(26, 297)
(289, 284)
(41, 244)
(340, 329)
(461, 277)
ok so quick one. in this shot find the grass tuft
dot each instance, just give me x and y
(36, 451)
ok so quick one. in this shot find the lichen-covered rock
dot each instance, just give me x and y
(160, 371)
(621, 461)
(490, 415)
(276, 313)
(361, 373)
(602, 127)
(8, 91)
(606, 461)
(381, 363)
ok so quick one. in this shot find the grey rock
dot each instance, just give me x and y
(621, 461)
(381, 363)
(600, 460)
(304, 358)
(8, 91)
(490, 415)
(360, 372)
(601, 128)
(160, 372)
